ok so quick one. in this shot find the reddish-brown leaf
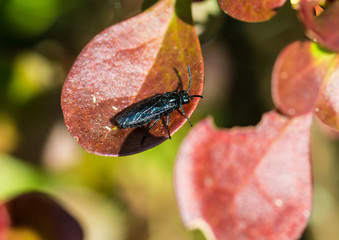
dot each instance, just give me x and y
(125, 64)
(297, 76)
(41, 214)
(322, 28)
(251, 10)
(327, 109)
(4, 222)
(247, 183)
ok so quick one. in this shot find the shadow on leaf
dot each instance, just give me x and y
(132, 141)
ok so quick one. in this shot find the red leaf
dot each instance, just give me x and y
(247, 183)
(251, 10)
(297, 76)
(322, 28)
(42, 214)
(125, 64)
(4, 222)
(327, 109)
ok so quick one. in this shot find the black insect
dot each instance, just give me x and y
(154, 108)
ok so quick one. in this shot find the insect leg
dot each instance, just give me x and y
(169, 135)
(185, 115)
(143, 138)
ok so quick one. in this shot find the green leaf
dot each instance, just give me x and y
(17, 177)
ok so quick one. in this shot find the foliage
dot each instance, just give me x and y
(241, 183)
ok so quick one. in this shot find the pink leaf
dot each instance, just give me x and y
(247, 183)
(327, 109)
(297, 76)
(4, 222)
(251, 10)
(124, 64)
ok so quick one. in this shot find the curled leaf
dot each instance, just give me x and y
(247, 183)
(251, 10)
(41, 214)
(125, 64)
(297, 76)
(322, 28)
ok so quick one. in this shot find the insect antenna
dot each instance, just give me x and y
(189, 86)
(196, 96)
(190, 75)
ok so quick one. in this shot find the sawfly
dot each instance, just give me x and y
(154, 108)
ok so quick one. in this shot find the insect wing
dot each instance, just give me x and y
(145, 111)
(165, 104)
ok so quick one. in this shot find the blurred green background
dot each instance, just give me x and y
(133, 197)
